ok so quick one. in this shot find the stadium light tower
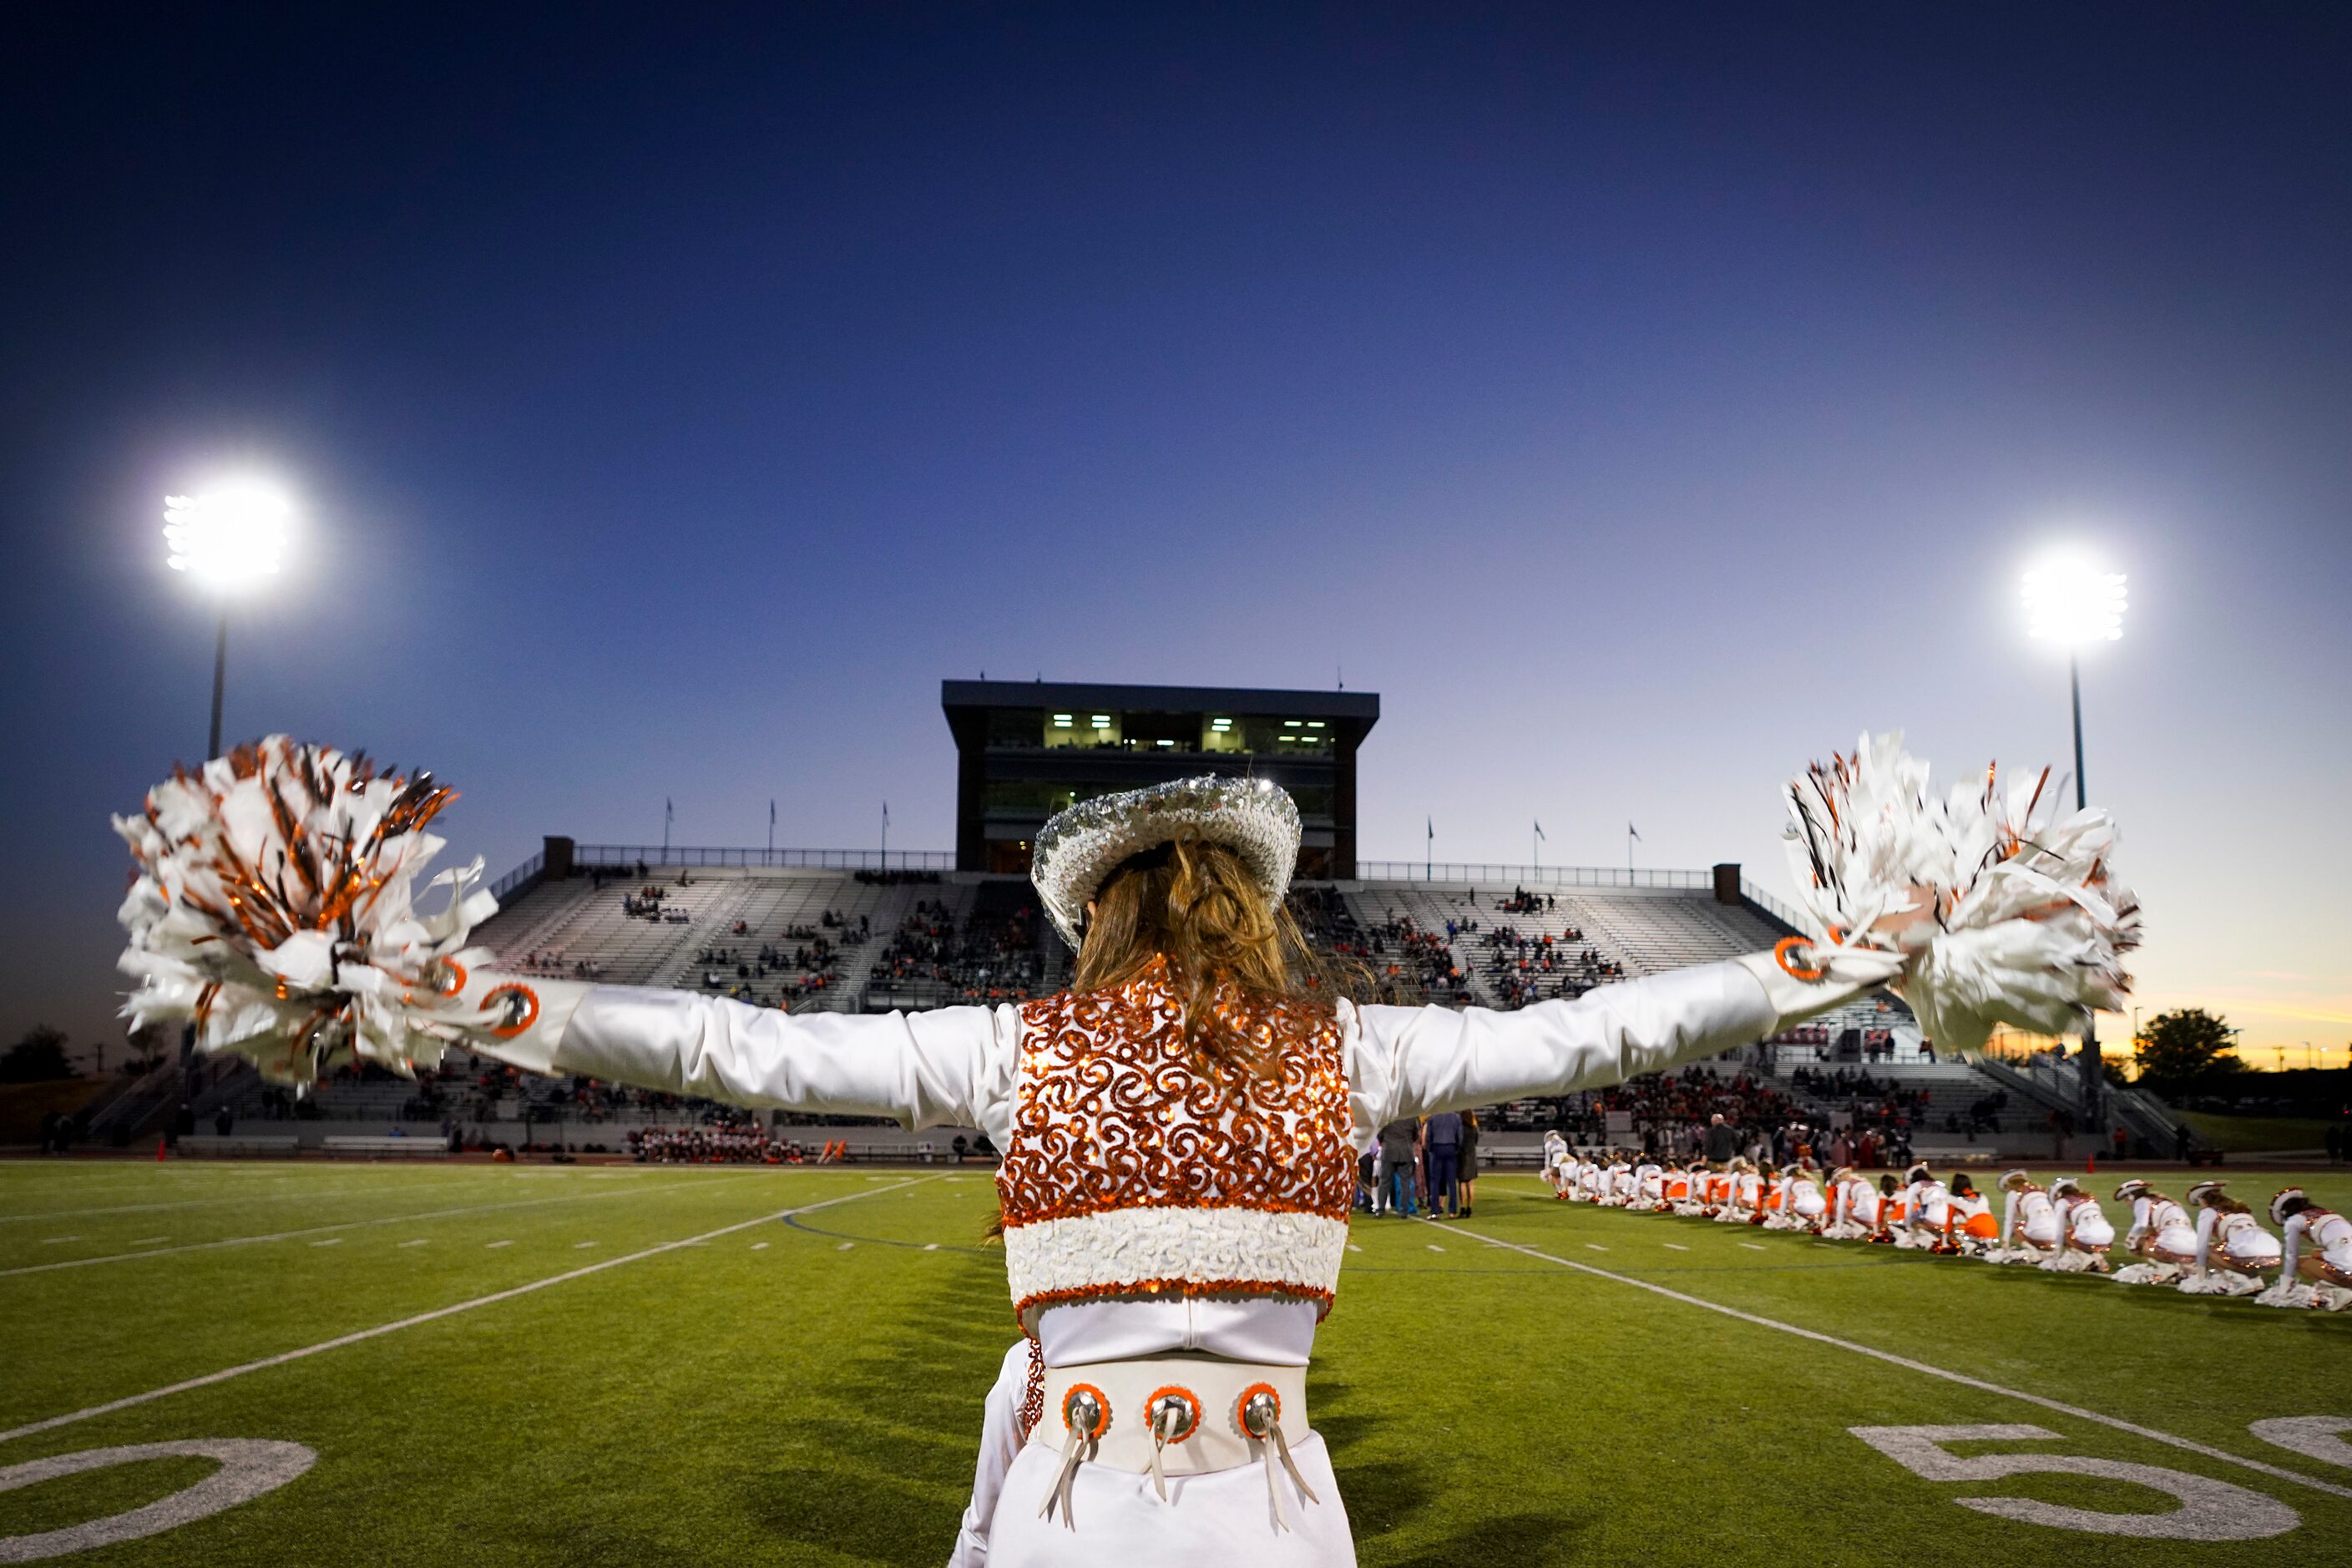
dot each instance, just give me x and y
(2070, 603)
(228, 538)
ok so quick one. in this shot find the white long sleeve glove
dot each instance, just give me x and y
(1845, 972)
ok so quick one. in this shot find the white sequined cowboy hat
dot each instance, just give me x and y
(1078, 847)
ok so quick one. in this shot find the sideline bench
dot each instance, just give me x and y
(398, 1148)
(239, 1146)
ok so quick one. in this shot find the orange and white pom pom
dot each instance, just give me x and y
(2010, 906)
(273, 908)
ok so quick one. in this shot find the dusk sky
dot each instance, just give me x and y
(1642, 400)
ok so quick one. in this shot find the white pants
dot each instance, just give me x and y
(1225, 1516)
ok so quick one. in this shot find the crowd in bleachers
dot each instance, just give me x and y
(991, 955)
(650, 904)
(1882, 1105)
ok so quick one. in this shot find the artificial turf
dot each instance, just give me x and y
(809, 1390)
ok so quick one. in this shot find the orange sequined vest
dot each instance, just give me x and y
(1136, 1170)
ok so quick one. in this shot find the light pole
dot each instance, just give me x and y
(227, 538)
(2069, 602)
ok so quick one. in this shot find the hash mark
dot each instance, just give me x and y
(1676, 1247)
(502, 1244)
(330, 1241)
(1753, 1245)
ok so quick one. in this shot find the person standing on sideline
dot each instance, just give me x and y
(1397, 1140)
(1441, 1156)
(1722, 1141)
(1469, 1178)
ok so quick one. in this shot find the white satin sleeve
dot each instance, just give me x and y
(1415, 1061)
(2206, 1219)
(951, 1067)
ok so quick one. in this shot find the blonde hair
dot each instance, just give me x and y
(1232, 954)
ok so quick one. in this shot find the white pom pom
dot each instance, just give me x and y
(2014, 912)
(272, 908)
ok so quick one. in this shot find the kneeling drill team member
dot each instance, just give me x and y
(1179, 1134)
(1926, 1203)
(2229, 1240)
(2084, 1232)
(1854, 1206)
(1970, 1224)
(2028, 1218)
(1649, 1184)
(1802, 1206)
(1556, 1167)
(2318, 1242)
(2162, 1235)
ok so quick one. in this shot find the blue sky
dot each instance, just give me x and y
(1642, 405)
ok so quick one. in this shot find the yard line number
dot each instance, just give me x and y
(2208, 1509)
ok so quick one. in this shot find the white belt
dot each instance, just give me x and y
(1172, 1415)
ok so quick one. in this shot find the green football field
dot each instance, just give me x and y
(645, 1364)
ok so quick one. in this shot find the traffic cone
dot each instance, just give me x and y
(160, 1145)
(2090, 1164)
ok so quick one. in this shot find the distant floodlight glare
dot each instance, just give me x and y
(2072, 604)
(228, 536)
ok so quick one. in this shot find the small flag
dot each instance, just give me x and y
(1432, 830)
(1539, 832)
(772, 814)
(1630, 833)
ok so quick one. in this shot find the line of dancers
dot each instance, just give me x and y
(2209, 1244)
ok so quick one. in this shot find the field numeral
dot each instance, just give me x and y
(2208, 1511)
(249, 1468)
(2314, 1437)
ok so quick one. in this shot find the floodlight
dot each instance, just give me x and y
(228, 536)
(2072, 603)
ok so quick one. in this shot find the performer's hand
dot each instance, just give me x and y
(1802, 979)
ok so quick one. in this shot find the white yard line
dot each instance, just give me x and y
(1949, 1375)
(438, 1312)
(325, 1229)
(356, 1190)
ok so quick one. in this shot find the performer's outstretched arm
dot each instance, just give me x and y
(950, 1067)
(2205, 1222)
(1414, 1061)
(2008, 1221)
(2290, 1244)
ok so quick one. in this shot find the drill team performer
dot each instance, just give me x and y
(1178, 1132)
